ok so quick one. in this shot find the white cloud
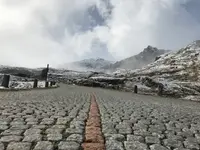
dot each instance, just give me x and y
(138, 23)
(25, 38)
(34, 32)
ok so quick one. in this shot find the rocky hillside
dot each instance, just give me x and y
(88, 65)
(181, 65)
(178, 72)
(147, 56)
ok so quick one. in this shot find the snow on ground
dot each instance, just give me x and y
(177, 71)
(41, 84)
(192, 98)
(23, 85)
(1, 87)
(20, 85)
(103, 77)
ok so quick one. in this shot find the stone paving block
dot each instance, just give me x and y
(117, 137)
(47, 121)
(17, 123)
(135, 138)
(20, 127)
(197, 136)
(69, 146)
(158, 135)
(152, 140)
(2, 146)
(77, 124)
(3, 127)
(31, 120)
(44, 145)
(63, 121)
(4, 122)
(32, 138)
(158, 147)
(39, 126)
(125, 131)
(173, 143)
(53, 131)
(135, 145)
(74, 131)
(109, 131)
(32, 131)
(58, 127)
(141, 133)
(181, 149)
(54, 137)
(11, 138)
(191, 144)
(19, 146)
(76, 138)
(12, 132)
(32, 123)
(114, 145)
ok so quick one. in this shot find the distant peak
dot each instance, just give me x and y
(150, 49)
(194, 45)
(100, 59)
(197, 41)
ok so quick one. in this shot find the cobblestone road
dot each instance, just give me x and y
(56, 120)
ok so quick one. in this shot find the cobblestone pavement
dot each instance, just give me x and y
(57, 119)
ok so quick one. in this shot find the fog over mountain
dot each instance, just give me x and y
(34, 32)
(147, 56)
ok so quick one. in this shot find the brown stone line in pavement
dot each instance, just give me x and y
(93, 136)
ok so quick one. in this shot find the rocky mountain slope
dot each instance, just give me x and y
(182, 65)
(88, 65)
(178, 72)
(147, 56)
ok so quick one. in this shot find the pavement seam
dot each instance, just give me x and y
(94, 139)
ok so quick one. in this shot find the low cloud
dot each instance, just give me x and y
(34, 33)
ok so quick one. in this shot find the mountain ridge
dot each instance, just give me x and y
(147, 56)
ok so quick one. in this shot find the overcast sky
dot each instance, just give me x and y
(36, 32)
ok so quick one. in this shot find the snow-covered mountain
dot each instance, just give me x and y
(147, 56)
(88, 65)
(177, 71)
(181, 65)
